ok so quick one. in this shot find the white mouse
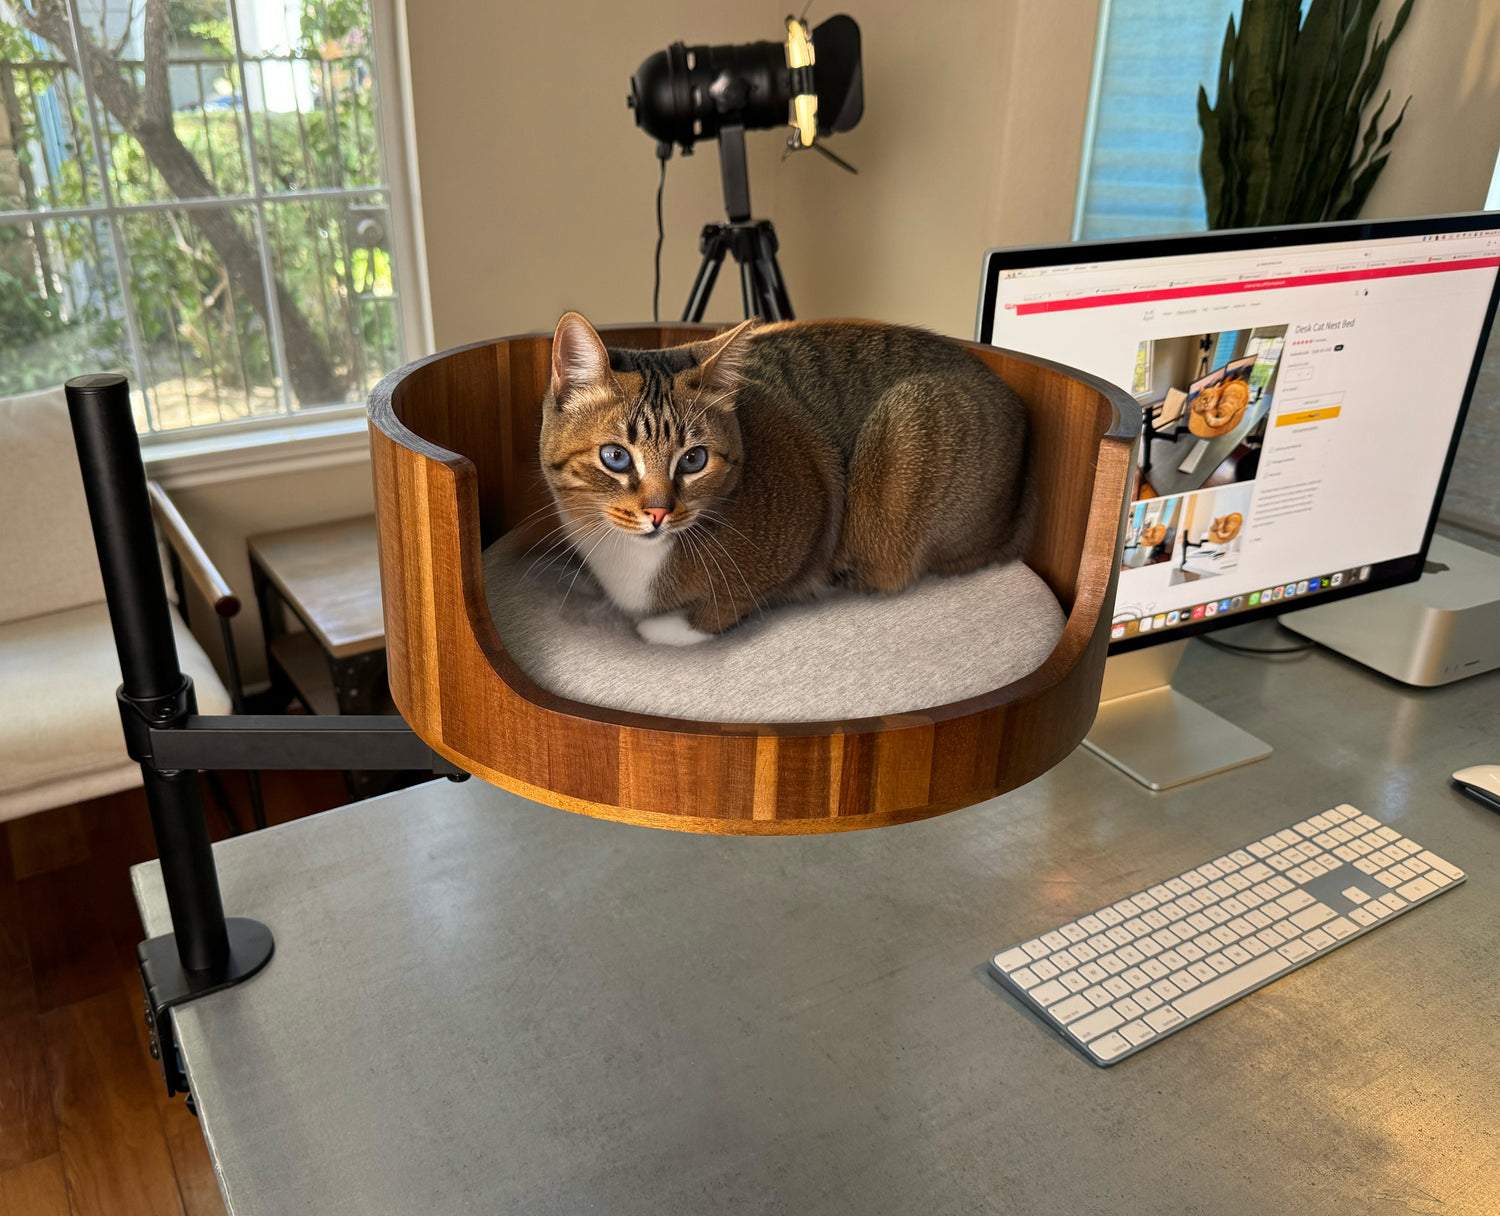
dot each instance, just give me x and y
(1481, 782)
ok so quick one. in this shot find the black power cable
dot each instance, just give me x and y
(663, 152)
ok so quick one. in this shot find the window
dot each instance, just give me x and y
(195, 191)
(1140, 150)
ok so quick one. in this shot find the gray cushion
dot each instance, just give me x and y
(845, 655)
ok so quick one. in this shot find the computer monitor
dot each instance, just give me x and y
(1303, 390)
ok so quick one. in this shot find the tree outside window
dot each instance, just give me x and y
(193, 191)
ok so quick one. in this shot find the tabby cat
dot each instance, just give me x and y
(703, 482)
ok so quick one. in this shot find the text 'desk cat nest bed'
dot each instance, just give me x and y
(454, 443)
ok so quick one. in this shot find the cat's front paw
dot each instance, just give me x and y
(671, 630)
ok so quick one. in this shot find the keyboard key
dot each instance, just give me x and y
(1044, 969)
(1073, 932)
(1156, 969)
(1071, 1009)
(1317, 939)
(1227, 987)
(1091, 924)
(1339, 927)
(1035, 949)
(1295, 951)
(1093, 973)
(1255, 946)
(1147, 999)
(1363, 916)
(1190, 952)
(1026, 977)
(1120, 935)
(1119, 985)
(1095, 1024)
(1009, 960)
(1437, 879)
(1310, 918)
(1137, 1032)
(1166, 989)
(1135, 977)
(1379, 908)
(1083, 952)
(1416, 888)
(1402, 871)
(1294, 901)
(1387, 833)
(1219, 963)
(1098, 997)
(1300, 874)
(1365, 866)
(1177, 886)
(1047, 993)
(1344, 853)
(1441, 866)
(1128, 907)
(1237, 954)
(1127, 1008)
(1386, 879)
(1109, 1046)
(1416, 865)
(1260, 849)
(1109, 916)
(1112, 964)
(1054, 940)
(1354, 894)
(1129, 954)
(1185, 980)
(1164, 1018)
(1073, 981)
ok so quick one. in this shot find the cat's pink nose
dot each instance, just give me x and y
(657, 514)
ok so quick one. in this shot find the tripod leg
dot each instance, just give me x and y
(713, 247)
(778, 306)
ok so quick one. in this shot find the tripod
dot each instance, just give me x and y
(752, 242)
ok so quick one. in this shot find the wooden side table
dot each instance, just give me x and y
(328, 577)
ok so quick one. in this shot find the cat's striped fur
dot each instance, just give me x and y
(834, 452)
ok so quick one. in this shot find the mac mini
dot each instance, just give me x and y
(1441, 628)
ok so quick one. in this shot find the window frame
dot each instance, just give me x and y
(336, 429)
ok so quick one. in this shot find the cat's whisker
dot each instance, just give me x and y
(692, 549)
(581, 567)
(714, 517)
(729, 557)
(728, 590)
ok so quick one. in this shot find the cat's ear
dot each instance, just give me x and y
(721, 359)
(579, 359)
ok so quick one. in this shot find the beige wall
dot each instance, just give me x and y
(538, 190)
(1448, 62)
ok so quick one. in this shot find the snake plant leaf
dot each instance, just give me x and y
(1287, 138)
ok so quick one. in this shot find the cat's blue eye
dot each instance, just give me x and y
(615, 458)
(693, 460)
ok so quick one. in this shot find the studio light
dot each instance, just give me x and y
(812, 82)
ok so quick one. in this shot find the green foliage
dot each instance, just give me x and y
(61, 305)
(1282, 142)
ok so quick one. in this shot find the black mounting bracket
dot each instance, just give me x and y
(206, 951)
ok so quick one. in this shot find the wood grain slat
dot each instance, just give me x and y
(28, 1128)
(35, 1189)
(47, 840)
(114, 1149)
(68, 936)
(454, 440)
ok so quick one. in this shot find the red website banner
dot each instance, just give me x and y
(1224, 289)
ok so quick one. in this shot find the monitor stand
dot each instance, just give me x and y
(1150, 731)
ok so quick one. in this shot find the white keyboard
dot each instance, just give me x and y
(1128, 974)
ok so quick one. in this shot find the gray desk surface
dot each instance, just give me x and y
(481, 1005)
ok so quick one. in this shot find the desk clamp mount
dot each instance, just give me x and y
(206, 951)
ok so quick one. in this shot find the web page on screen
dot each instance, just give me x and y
(1299, 403)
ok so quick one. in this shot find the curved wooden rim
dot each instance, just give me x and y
(1097, 575)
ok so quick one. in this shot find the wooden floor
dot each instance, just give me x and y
(86, 1128)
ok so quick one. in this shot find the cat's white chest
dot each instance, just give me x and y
(626, 567)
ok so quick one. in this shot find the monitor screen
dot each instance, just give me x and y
(1303, 390)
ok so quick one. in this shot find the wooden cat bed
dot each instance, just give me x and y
(454, 445)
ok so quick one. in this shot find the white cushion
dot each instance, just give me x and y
(845, 655)
(60, 735)
(46, 545)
